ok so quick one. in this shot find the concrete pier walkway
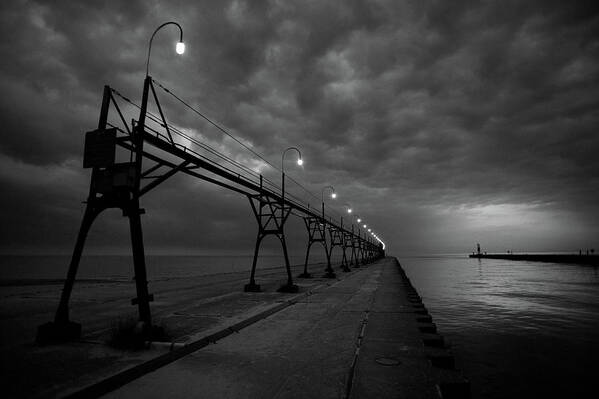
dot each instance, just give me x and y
(366, 336)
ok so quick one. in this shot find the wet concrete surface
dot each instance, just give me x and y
(187, 307)
(360, 337)
(364, 334)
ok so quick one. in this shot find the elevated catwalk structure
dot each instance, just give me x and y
(128, 160)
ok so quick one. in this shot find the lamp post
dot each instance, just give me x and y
(179, 48)
(344, 241)
(349, 207)
(333, 196)
(353, 241)
(357, 218)
(329, 270)
(133, 207)
(299, 162)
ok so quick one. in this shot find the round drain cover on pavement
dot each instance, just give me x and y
(387, 361)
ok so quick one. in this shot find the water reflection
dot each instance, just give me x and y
(519, 329)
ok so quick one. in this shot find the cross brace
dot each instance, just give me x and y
(316, 234)
(336, 239)
(271, 216)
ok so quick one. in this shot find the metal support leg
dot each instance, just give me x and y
(354, 259)
(316, 233)
(345, 243)
(344, 265)
(62, 329)
(62, 314)
(305, 274)
(289, 287)
(329, 272)
(141, 281)
(252, 286)
(270, 216)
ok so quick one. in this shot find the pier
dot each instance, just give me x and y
(366, 336)
(366, 333)
(554, 258)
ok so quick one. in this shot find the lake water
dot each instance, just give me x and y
(518, 329)
(120, 267)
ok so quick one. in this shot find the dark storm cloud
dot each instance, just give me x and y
(431, 113)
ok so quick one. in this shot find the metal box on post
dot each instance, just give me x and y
(117, 177)
(100, 148)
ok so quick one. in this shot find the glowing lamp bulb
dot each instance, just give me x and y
(369, 230)
(180, 48)
(348, 210)
(359, 220)
(364, 226)
(300, 162)
(334, 195)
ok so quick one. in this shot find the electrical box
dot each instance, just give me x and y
(118, 177)
(100, 148)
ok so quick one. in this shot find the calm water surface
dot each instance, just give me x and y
(518, 329)
(120, 267)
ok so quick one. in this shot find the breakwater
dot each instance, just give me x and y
(554, 258)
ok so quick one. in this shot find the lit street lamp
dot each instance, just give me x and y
(179, 48)
(333, 196)
(136, 164)
(329, 270)
(299, 159)
(299, 162)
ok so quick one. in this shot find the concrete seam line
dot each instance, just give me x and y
(352, 368)
(116, 381)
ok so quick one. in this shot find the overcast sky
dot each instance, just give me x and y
(443, 123)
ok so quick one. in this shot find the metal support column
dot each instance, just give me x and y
(316, 234)
(271, 216)
(353, 260)
(143, 299)
(112, 185)
(347, 243)
(336, 239)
